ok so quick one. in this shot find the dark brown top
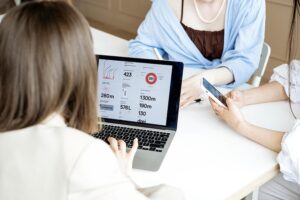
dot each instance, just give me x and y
(209, 43)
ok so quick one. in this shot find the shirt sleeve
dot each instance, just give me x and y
(243, 60)
(142, 46)
(283, 73)
(289, 157)
(96, 176)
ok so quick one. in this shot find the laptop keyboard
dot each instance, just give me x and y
(149, 140)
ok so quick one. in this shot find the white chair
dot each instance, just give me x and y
(255, 81)
(264, 58)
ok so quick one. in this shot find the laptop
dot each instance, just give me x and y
(139, 98)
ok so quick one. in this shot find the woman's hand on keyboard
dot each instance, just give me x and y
(125, 158)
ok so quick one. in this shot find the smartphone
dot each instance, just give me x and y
(213, 93)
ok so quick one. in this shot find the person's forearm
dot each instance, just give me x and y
(269, 92)
(265, 137)
(219, 76)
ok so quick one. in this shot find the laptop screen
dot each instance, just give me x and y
(134, 91)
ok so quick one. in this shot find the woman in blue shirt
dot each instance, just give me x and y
(224, 37)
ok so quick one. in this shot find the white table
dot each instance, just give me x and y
(208, 160)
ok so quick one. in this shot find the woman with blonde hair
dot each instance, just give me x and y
(284, 85)
(48, 105)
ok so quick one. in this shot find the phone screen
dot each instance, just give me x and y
(214, 91)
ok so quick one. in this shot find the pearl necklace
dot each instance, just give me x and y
(212, 20)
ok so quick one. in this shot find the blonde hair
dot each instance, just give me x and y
(47, 65)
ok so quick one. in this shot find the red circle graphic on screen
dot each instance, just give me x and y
(151, 78)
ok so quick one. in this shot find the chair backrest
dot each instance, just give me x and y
(264, 58)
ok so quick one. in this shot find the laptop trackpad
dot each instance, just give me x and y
(148, 160)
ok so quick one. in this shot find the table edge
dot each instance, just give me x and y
(255, 184)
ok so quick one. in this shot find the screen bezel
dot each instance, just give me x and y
(174, 96)
(208, 87)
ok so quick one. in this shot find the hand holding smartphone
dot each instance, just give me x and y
(213, 93)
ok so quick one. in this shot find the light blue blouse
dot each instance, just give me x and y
(243, 38)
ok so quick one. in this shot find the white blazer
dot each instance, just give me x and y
(50, 161)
